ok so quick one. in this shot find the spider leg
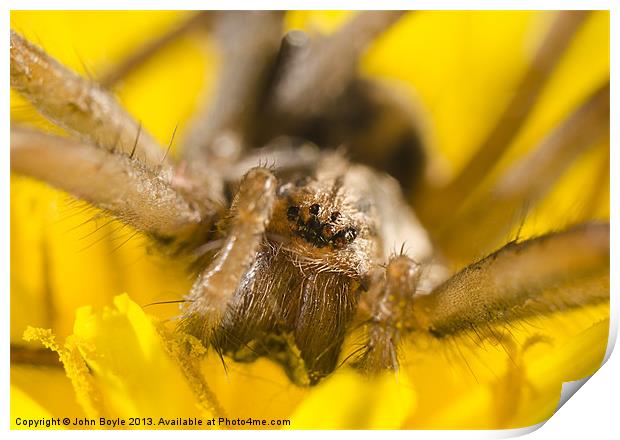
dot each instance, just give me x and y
(541, 275)
(490, 214)
(311, 80)
(215, 288)
(386, 307)
(435, 204)
(249, 42)
(117, 183)
(391, 315)
(78, 105)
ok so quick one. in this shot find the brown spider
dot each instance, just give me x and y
(295, 255)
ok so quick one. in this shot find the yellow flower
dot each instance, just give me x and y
(121, 361)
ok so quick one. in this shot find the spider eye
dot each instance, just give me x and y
(328, 231)
(292, 213)
(334, 216)
(344, 237)
(350, 234)
(315, 209)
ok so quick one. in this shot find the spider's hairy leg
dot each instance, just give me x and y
(391, 315)
(321, 73)
(435, 204)
(249, 42)
(78, 105)
(114, 182)
(541, 275)
(216, 286)
(491, 213)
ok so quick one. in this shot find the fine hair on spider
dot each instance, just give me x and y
(296, 243)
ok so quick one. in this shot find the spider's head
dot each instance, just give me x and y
(326, 224)
(319, 227)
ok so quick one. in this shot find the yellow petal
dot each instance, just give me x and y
(467, 383)
(135, 373)
(24, 408)
(348, 400)
(38, 390)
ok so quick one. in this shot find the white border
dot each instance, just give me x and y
(592, 412)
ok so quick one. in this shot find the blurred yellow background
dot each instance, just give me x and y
(463, 68)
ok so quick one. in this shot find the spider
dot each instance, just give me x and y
(296, 242)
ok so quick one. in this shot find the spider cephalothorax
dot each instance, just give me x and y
(296, 255)
(299, 294)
